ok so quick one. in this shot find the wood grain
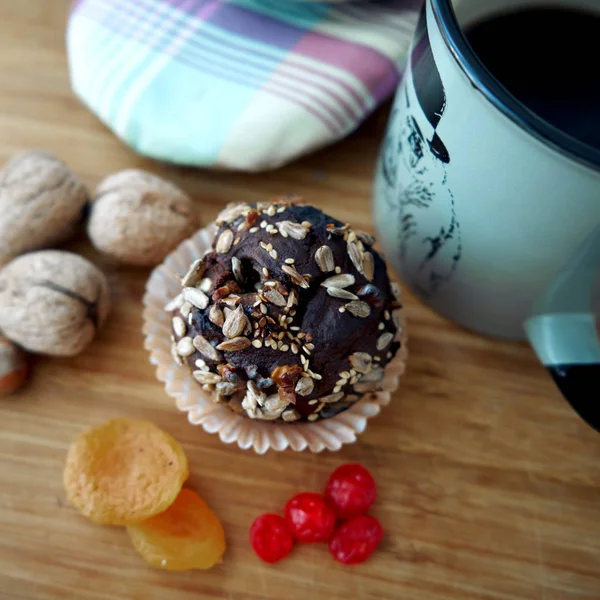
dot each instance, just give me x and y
(489, 483)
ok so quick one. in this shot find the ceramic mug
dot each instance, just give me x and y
(478, 202)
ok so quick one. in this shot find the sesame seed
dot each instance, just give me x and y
(305, 350)
(237, 241)
(253, 229)
(295, 328)
(337, 388)
(263, 309)
(281, 209)
(271, 211)
(381, 326)
(279, 345)
(257, 343)
(263, 246)
(269, 247)
(386, 315)
(312, 402)
(389, 355)
(313, 417)
(265, 271)
(342, 309)
(263, 224)
(338, 270)
(284, 348)
(377, 358)
(289, 261)
(294, 348)
(353, 380)
(273, 254)
(310, 346)
(344, 374)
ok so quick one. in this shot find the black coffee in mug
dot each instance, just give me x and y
(547, 57)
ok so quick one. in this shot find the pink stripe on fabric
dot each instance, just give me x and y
(364, 63)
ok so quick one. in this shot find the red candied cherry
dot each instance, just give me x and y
(310, 518)
(356, 540)
(270, 538)
(350, 491)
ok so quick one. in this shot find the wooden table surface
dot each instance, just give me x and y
(489, 484)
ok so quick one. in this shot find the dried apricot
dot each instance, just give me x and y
(188, 535)
(124, 472)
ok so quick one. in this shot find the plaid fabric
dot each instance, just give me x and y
(243, 84)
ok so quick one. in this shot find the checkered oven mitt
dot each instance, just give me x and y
(240, 84)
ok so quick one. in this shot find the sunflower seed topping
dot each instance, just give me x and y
(205, 285)
(365, 237)
(384, 340)
(295, 276)
(186, 309)
(361, 362)
(185, 347)
(194, 274)
(174, 304)
(235, 344)
(204, 347)
(226, 388)
(293, 230)
(339, 281)
(196, 297)
(368, 265)
(206, 378)
(236, 268)
(224, 242)
(231, 212)
(356, 257)
(374, 376)
(304, 386)
(289, 415)
(236, 323)
(216, 316)
(359, 308)
(324, 259)
(340, 293)
(175, 354)
(274, 297)
(179, 326)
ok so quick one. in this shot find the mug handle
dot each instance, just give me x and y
(562, 331)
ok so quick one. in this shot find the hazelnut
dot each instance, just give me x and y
(52, 302)
(138, 218)
(41, 203)
(13, 367)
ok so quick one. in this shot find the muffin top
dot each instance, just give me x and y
(291, 315)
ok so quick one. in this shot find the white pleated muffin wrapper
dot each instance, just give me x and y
(162, 286)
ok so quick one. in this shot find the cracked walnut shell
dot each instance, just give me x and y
(52, 302)
(41, 203)
(139, 218)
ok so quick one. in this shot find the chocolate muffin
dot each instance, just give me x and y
(291, 316)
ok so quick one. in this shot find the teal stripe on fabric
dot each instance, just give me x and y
(135, 55)
(181, 132)
(301, 14)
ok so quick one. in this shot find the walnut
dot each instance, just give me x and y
(41, 203)
(13, 367)
(52, 302)
(138, 218)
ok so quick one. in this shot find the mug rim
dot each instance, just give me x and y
(483, 80)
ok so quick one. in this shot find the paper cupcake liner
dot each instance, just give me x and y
(317, 436)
